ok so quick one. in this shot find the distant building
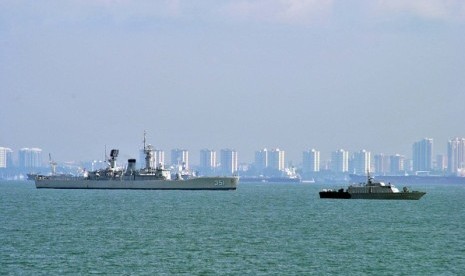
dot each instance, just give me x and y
(397, 164)
(159, 156)
(440, 163)
(6, 157)
(361, 162)
(456, 155)
(382, 164)
(422, 155)
(207, 161)
(228, 159)
(180, 157)
(340, 161)
(261, 160)
(276, 159)
(30, 158)
(311, 161)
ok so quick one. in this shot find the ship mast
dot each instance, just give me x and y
(53, 164)
(369, 178)
(145, 134)
(148, 151)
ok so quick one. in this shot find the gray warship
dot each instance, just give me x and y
(372, 190)
(149, 178)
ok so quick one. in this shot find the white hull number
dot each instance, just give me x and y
(219, 183)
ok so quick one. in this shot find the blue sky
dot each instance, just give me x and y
(377, 75)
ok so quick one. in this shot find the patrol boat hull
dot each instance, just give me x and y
(199, 183)
(335, 194)
(390, 196)
(394, 196)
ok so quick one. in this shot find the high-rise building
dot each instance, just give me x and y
(207, 161)
(456, 155)
(159, 156)
(422, 156)
(440, 163)
(228, 161)
(397, 164)
(276, 159)
(6, 157)
(340, 161)
(261, 160)
(180, 157)
(382, 163)
(30, 158)
(361, 162)
(311, 161)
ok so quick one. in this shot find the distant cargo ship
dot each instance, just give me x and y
(271, 179)
(148, 178)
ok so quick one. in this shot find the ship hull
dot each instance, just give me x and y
(200, 183)
(334, 194)
(385, 196)
(390, 196)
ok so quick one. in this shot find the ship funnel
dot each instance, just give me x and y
(131, 166)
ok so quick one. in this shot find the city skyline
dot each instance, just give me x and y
(294, 74)
(422, 155)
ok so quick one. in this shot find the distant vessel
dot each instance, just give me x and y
(278, 179)
(372, 190)
(288, 175)
(148, 178)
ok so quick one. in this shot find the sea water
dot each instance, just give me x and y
(259, 229)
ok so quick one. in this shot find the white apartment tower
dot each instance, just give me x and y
(276, 159)
(30, 158)
(382, 163)
(362, 162)
(311, 161)
(261, 160)
(440, 163)
(208, 159)
(6, 157)
(456, 155)
(340, 161)
(422, 156)
(180, 157)
(397, 164)
(159, 156)
(228, 161)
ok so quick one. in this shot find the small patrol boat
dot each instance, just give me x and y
(372, 190)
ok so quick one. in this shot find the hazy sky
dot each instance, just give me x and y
(378, 75)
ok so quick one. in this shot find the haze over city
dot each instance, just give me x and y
(377, 75)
